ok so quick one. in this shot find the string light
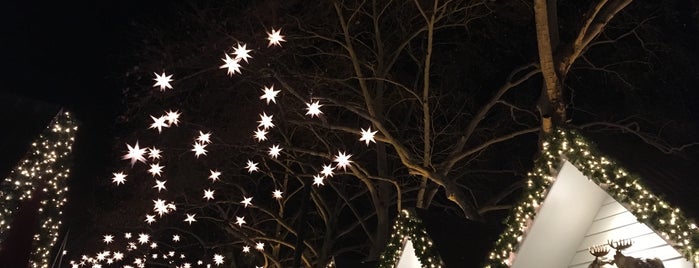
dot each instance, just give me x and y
(408, 226)
(624, 187)
(45, 167)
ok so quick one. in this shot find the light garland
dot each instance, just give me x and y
(45, 167)
(408, 226)
(626, 188)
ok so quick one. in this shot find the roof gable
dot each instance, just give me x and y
(626, 188)
(409, 226)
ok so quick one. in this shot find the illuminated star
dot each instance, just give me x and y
(108, 239)
(153, 245)
(199, 149)
(274, 151)
(247, 201)
(327, 170)
(241, 53)
(368, 136)
(342, 160)
(313, 109)
(158, 123)
(150, 218)
(252, 166)
(153, 153)
(318, 180)
(277, 194)
(127, 235)
(176, 238)
(208, 194)
(260, 246)
(231, 64)
(214, 175)
(265, 121)
(135, 154)
(119, 178)
(218, 259)
(161, 208)
(155, 169)
(239, 221)
(270, 94)
(162, 81)
(190, 218)
(118, 255)
(260, 135)
(275, 37)
(143, 238)
(160, 185)
(204, 138)
(172, 117)
(246, 249)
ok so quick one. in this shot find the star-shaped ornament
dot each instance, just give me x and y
(214, 175)
(260, 246)
(160, 185)
(260, 135)
(143, 238)
(231, 64)
(204, 138)
(218, 259)
(208, 194)
(162, 81)
(159, 123)
(327, 171)
(252, 166)
(241, 53)
(239, 221)
(155, 169)
(246, 249)
(153, 153)
(265, 121)
(199, 149)
(247, 201)
(274, 151)
(318, 180)
(119, 178)
(277, 194)
(190, 218)
(269, 94)
(176, 238)
(342, 160)
(368, 136)
(275, 37)
(108, 239)
(172, 117)
(313, 109)
(135, 154)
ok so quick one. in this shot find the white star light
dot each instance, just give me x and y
(277, 194)
(160, 185)
(176, 238)
(127, 235)
(318, 180)
(260, 135)
(231, 64)
(153, 153)
(252, 166)
(199, 149)
(260, 246)
(204, 138)
(246, 249)
(342, 160)
(239, 220)
(313, 109)
(241, 53)
(327, 170)
(160, 207)
(208, 194)
(274, 151)
(135, 154)
(265, 121)
(150, 218)
(218, 259)
(214, 175)
(368, 136)
(172, 117)
(162, 81)
(269, 94)
(275, 37)
(159, 123)
(119, 178)
(155, 169)
(247, 201)
(108, 239)
(190, 218)
(143, 238)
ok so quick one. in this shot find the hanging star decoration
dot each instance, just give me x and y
(119, 178)
(172, 117)
(231, 64)
(108, 239)
(269, 94)
(150, 218)
(241, 53)
(218, 259)
(153, 153)
(368, 136)
(155, 169)
(204, 138)
(135, 154)
(251, 167)
(275, 38)
(247, 201)
(327, 170)
(159, 123)
(240, 221)
(277, 194)
(260, 246)
(342, 160)
(214, 175)
(260, 135)
(190, 218)
(199, 149)
(208, 194)
(160, 185)
(313, 109)
(163, 81)
(265, 121)
(274, 151)
(246, 249)
(318, 180)
(143, 238)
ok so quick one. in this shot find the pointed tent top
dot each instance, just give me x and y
(621, 184)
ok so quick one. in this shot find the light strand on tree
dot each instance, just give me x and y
(44, 168)
(626, 188)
